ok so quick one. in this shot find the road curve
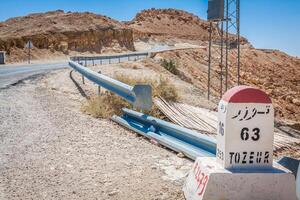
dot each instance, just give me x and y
(11, 74)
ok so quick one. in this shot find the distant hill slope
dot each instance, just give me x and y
(59, 32)
(274, 72)
(62, 31)
(170, 23)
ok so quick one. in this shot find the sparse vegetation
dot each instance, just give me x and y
(161, 88)
(108, 104)
(165, 89)
(105, 105)
(170, 65)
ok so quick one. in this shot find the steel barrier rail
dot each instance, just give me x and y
(93, 58)
(140, 96)
(148, 53)
(177, 138)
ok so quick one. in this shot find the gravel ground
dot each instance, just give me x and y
(50, 150)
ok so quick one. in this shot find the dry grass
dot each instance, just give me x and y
(108, 104)
(170, 65)
(162, 87)
(104, 105)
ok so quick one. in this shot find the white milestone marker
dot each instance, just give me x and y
(243, 167)
(245, 130)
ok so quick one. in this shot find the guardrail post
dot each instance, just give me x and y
(85, 65)
(82, 77)
(109, 61)
(100, 61)
(119, 59)
(93, 62)
(99, 88)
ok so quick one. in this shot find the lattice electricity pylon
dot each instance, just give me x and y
(232, 20)
(224, 46)
(216, 56)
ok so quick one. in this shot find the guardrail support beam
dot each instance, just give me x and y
(140, 96)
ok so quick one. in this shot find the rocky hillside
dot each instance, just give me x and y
(274, 72)
(170, 24)
(62, 31)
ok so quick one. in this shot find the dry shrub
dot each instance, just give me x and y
(108, 104)
(161, 88)
(104, 105)
(170, 65)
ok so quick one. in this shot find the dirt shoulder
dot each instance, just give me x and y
(50, 150)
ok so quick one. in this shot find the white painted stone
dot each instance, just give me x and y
(245, 130)
(208, 180)
(243, 167)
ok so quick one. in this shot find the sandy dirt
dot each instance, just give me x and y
(50, 150)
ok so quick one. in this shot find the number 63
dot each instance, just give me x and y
(255, 134)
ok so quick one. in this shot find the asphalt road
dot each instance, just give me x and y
(11, 74)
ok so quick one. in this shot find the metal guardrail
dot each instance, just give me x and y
(140, 96)
(192, 144)
(109, 59)
(177, 138)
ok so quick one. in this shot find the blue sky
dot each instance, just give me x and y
(266, 23)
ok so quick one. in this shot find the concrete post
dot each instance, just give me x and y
(243, 167)
(246, 129)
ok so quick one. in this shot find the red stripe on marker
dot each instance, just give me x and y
(246, 94)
